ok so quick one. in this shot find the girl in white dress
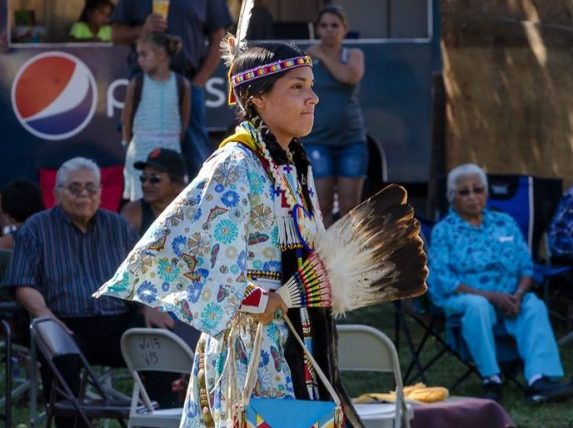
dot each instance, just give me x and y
(156, 112)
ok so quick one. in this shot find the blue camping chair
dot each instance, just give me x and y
(531, 201)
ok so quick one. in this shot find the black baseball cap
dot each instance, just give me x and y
(165, 160)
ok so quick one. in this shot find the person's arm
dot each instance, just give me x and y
(212, 58)
(123, 34)
(127, 113)
(7, 242)
(443, 281)
(132, 212)
(155, 318)
(506, 303)
(350, 72)
(33, 301)
(198, 247)
(185, 107)
(523, 287)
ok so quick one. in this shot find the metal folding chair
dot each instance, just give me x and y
(151, 349)
(363, 348)
(53, 341)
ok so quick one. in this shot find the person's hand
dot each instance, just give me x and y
(508, 304)
(315, 51)
(154, 23)
(200, 80)
(518, 295)
(275, 303)
(156, 318)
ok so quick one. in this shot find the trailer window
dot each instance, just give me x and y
(44, 21)
(369, 19)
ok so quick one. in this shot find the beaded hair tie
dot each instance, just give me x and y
(264, 70)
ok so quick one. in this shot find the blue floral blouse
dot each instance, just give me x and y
(492, 256)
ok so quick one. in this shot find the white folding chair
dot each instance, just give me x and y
(363, 348)
(150, 349)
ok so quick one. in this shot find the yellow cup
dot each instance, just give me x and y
(161, 7)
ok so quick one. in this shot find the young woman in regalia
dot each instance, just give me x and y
(236, 234)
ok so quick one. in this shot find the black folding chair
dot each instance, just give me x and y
(53, 341)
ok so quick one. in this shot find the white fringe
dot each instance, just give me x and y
(287, 231)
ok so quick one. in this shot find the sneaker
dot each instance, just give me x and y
(491, 390)
(545, 390)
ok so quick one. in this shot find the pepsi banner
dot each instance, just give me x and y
(60, 101)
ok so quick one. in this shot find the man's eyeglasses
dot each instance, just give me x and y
(153, 179)
(474, 190)
(325, 25)
(77, 189)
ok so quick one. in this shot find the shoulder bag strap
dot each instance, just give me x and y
(254, 363)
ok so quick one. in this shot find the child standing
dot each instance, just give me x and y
(93, 24)
(157, 104)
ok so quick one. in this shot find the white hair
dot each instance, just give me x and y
(460, 171)
(76, 164)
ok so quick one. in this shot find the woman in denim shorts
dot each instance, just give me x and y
(337, 147)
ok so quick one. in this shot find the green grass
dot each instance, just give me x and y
(443, 373)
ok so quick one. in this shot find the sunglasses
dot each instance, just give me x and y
(333, 25)
(474, 190)
(153, 179)
(76, 189)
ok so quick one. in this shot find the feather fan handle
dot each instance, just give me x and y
(243, 24)
(309, 287)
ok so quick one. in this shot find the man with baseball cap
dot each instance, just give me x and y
(163, 176)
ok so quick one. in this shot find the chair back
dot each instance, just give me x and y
(376, 350)
(531, 201)
(145, 349)
(364, 348)
(155, 349)
(52, 339)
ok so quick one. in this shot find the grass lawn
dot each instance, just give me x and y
(442, 373)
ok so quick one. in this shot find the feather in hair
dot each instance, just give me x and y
(243, 24)
(372, 255)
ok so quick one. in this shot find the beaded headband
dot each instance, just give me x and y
(265, 70)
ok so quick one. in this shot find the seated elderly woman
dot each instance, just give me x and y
(481, 269)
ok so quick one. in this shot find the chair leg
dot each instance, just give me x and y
(565, 340)
(462, 378)
(409, 341)
(445, 348)
(417, 352)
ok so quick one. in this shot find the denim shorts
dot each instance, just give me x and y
(349, 160)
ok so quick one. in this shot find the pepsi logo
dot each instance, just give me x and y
(54, 95)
